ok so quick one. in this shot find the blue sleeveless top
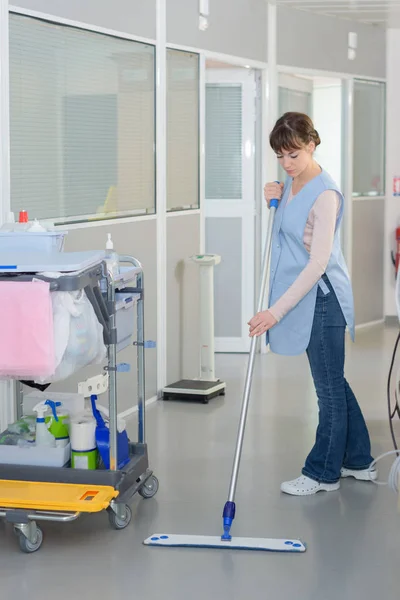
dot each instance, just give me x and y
(289, 257)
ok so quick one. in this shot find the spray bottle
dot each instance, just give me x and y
(58, 424)
(43, 435)
(111, 258)
(36, 227)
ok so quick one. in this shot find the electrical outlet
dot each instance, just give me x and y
(94, 385)
(353, 40)
(351, 54)
(203, 23)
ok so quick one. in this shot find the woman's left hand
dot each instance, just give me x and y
(260, 323)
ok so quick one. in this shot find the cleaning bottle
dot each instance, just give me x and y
(103, 439)
(36, 227)
(58, 424)
(111, 258)
(43, 435)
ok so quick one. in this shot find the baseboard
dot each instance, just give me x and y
(370, 324)
(131, 411)
(392, 321)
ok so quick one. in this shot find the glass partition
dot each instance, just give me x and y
(82, 123)
(182, 130)
(369, 138)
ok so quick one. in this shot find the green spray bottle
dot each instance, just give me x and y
(58, 424)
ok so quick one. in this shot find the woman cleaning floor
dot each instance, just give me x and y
(311, 302)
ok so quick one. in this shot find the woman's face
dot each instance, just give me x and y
(296, 161)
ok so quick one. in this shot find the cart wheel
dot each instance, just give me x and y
(205, 400)
(118, 522)
(26, 545)
(150, 488)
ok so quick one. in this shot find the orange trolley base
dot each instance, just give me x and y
(29, 496)
(63, 497)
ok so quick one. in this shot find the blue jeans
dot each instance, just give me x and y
(342, 438)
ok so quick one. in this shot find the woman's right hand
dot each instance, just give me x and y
(273, 191)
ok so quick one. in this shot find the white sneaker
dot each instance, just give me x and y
(304, 486)
(363, 475)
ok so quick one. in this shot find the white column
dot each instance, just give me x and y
(207, 359)
(347, 170)
(269, 117)
(202, 149)
(161, 187)
(6, 388)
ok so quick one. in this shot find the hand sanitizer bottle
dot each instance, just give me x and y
(111, 258)
(43, 435)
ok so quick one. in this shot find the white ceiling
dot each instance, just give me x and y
(379, 12)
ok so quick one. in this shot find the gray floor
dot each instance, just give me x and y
(352, 535)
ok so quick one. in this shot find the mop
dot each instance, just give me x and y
(226, 541)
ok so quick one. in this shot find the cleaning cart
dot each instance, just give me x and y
(30, 494)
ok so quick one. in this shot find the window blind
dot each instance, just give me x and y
(82, 122)
(224, 141)
(182, 130)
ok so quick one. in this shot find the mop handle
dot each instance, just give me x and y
(250, 367)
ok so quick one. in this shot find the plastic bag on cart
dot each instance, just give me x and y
(78, 335)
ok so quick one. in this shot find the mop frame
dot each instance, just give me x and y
(63, 494)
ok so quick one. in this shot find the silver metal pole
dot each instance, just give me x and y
(141, 385)
(140, 362)
(19, 399)
(250, 367)
(112, 370)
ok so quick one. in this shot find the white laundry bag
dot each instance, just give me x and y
(78, 335)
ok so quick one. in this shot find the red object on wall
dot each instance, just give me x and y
(396, 186)
(397, 261)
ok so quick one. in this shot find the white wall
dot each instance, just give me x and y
(236, 27)
(392, 210)
(312, 41)
(136, 17)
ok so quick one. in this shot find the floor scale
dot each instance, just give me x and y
(207, 386)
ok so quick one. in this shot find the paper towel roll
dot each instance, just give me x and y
(83, 434)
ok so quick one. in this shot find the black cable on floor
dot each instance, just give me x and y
(396, 408)
(394, 475)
